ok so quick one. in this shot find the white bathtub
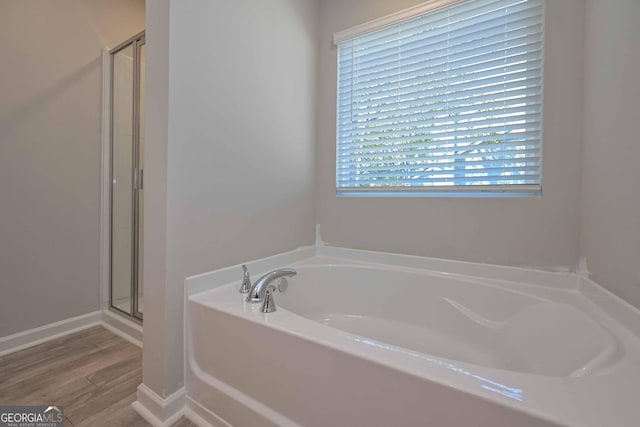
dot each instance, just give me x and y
(367, 339)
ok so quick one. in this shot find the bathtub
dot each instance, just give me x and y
(370, 339)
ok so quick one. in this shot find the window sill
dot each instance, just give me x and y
(441, 194)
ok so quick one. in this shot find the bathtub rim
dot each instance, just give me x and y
(297, 325)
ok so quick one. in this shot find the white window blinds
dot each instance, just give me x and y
(450, 100)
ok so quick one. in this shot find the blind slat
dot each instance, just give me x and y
(450, 177)
(400, 139)
(370, 162)
(362, 159)
(424, 135)
(450, 167)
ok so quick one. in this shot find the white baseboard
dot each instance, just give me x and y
(38, 335)
(119, 325)
(123, 327)
(201, 416)
(157, 411)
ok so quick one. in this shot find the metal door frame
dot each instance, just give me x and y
(136, 42)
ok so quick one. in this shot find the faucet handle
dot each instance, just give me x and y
(269, 304)
(246, 281)
(283, 284)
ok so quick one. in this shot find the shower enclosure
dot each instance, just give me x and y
(127, 63)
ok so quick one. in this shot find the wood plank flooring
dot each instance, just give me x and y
(92, 373)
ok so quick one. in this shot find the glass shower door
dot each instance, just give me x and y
(127, 143)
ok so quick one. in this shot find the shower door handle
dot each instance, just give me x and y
(138, 179)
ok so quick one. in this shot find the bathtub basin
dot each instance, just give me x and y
(374, 339)
(452, 317)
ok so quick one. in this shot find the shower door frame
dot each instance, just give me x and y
(136, 42)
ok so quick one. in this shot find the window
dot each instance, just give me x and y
(448, 100)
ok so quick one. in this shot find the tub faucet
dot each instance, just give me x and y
(258, 290)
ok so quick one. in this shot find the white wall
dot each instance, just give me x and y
(240, 146)
(611, 175)
(50, 113)
(541, 232)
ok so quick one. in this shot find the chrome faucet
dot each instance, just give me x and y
(259, 289)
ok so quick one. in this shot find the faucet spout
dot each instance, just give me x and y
(258, 290)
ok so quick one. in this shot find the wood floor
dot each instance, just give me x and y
(93, 374)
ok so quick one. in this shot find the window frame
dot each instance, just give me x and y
(471, 191)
